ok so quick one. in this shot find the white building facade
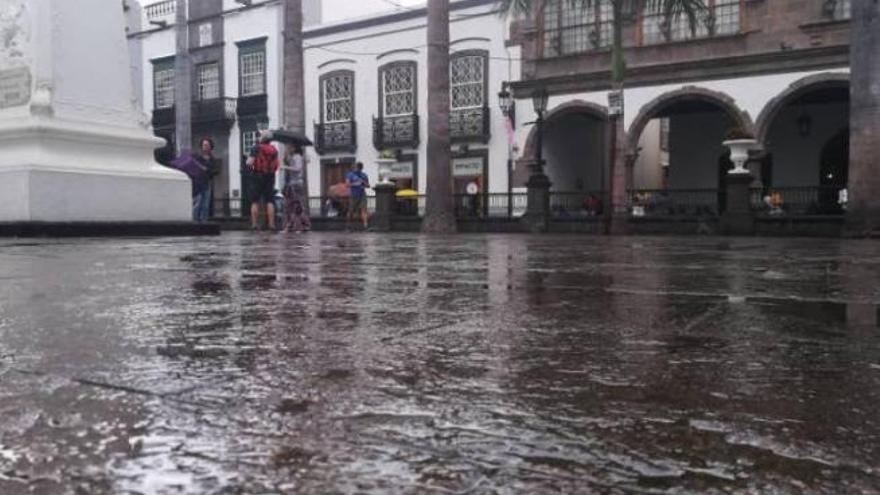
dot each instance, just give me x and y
(366, 89)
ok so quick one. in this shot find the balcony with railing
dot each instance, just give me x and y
(160, 14)
(469, 125)
(396, 132)
(216, 111)
(336, 137)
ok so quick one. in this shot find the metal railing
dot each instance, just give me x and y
(492, 205)
(587, 204)
(815, 200)
(161, 12)
(673, 202)
(327, 207)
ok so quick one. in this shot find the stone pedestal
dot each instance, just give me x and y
(738, 219)
(74, 147)
(385, 203)
(537, 217)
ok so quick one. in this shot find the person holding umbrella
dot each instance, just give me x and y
(200, 169)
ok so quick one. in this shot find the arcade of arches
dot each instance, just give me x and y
(676, 142)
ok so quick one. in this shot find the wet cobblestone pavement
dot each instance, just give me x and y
(473, 364)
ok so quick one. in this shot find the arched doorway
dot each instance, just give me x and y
(679, 162)
(575, 152)
(805, 131)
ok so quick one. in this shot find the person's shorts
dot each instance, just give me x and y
(262, 188)
(357, 204)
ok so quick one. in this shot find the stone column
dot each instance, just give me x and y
(739, 218)
(385, 207)
(74, 145)
(864, 169)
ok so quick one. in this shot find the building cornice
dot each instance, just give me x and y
(828, 57)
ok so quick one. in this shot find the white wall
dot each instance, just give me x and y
(649, 168)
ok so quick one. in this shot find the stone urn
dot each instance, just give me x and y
(384, 165)
(739, 153)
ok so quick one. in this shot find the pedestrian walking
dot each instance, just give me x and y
(295, 217)
(201, 185)
(358, 182)
(262, 166)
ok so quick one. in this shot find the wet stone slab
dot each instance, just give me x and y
(405, 364)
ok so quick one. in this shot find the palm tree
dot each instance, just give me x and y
(622, 10)
(439, 211)
(294, 85)
(864, 180)
(182, 81)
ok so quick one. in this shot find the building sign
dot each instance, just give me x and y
(615, 102)
(15, 87)
(467, 167)
(401, 170)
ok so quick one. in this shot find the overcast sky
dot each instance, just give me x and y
(337, 10)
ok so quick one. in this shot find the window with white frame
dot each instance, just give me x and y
(467, 78)
(163, 86)
(209, 81)
(722, 17)
(574, 27)
(337, 90)
(252, 65)
(206, 34)
(399, 87)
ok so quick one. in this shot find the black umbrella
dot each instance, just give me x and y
(290, 137)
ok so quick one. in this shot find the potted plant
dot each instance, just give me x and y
(740, 142)
(386, 159)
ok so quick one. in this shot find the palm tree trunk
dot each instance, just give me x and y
(439, 209)
(864, 167)
(614, 221)
(294, 85)
(182, 81)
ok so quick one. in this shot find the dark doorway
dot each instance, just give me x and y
(833, 171)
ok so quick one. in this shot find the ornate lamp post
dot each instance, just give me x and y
(508, 109)
(539, 100)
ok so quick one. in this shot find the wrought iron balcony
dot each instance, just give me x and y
(217, 111)
(469, 125)
(163, 117)
(336, 136)
(396, 132)
(252, 105)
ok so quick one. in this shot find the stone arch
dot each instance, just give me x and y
(797, 89)
(568, 108)
(685, 94)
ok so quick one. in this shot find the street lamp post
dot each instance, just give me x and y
(539, 100)
(508, 107)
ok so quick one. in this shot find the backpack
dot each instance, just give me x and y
(266, 161)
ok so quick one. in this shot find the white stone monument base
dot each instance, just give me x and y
(57, 171)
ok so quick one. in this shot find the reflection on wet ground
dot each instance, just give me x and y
(407, 364)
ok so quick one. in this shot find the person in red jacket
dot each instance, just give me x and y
(263, 164)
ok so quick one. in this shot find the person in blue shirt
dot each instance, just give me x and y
(358, 182)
